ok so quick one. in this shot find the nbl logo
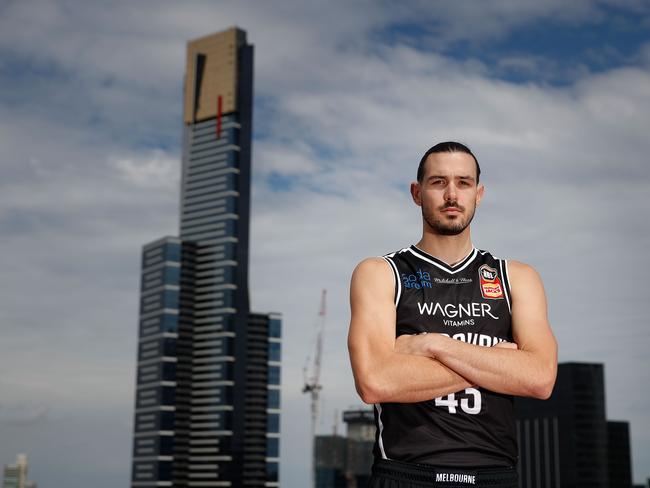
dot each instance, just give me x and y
(490, 283)
(487, 273)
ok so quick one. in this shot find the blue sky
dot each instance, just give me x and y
(553, 96)
(559, 49)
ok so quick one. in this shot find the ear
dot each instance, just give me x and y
(479, 193)
(415, 193)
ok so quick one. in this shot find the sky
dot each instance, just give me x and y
(552, 96)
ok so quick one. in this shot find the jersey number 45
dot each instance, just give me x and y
(470, 402)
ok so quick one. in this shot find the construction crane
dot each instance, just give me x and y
(311, 374)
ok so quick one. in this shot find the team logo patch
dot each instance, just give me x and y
(490, 283)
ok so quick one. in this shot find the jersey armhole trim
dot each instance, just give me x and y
(380, 431)
(503, 264)
(398, 284)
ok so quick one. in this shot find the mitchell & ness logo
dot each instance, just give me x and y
(452, 281)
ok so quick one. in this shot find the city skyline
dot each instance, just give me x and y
(552, 97)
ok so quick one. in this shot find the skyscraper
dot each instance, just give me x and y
(15, 475)
(361, 438)
(567, 440)
(619, 463)
(346, 461)
(208, 379)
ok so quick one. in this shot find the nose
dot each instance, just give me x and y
(450, 192)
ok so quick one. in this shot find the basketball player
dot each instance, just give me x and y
(442, 336)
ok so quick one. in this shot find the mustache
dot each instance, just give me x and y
(452, 204)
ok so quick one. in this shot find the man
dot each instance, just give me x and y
(442, 335)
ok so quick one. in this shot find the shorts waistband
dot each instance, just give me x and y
(446, 475)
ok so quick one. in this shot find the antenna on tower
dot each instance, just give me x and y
(311, 374)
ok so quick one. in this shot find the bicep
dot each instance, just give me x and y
(372, 323)
(530, 327)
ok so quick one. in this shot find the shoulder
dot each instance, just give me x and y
(373, 275)
(379, 264)
(521, 270)
(373, 267)
(523, 277)
(373, 282)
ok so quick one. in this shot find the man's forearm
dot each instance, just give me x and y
(513, 372)
(405, 378)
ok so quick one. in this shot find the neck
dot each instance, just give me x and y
(450, 249)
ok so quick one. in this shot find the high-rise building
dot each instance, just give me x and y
(361, 438)
(330, 456)
(566, 441)
(619, 464)
(346, 462)
(208, 375)
(15, 475)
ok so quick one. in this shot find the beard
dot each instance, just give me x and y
(445, 227)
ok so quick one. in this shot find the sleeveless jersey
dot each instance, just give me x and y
(470, 302)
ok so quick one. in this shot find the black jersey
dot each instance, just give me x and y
(469, 301)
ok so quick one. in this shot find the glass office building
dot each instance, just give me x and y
(619, 462)
(567, 440)
(15, 475)
(208, 376)
(346, 462)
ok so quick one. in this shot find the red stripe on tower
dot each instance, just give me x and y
(219, 103)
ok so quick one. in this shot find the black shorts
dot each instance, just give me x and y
(397, 474)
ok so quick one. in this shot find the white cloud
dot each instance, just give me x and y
(155, 169)
(346, 116)
(21, 414)
(290, 157)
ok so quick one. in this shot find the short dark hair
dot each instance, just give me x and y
(448, 146)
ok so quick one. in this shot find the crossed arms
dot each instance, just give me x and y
(416, 368)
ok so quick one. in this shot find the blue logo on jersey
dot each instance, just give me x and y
(421, 279)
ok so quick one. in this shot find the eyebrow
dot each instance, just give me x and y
(444, 177)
